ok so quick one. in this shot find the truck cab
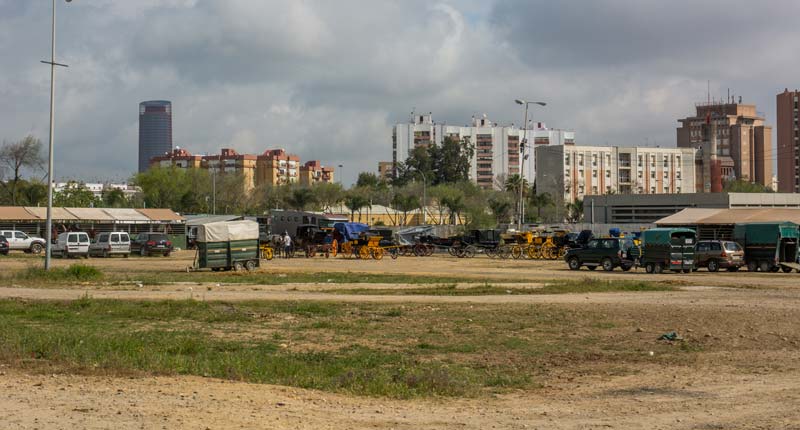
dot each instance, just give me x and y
(20, 241)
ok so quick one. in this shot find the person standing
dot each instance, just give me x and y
(287, 245)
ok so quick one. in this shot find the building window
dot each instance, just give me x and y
(652, 190)
(666, 161)
(666, 175)
(652, 174)
(594, 173)
(580, 159)
(677, 189)
(677, 174)
(639, 174)
(566, 160)
(666, 190)
(608, 173)
(594, 160)
(640, 161)
(594, 190)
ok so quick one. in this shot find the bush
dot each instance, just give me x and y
(75, 272)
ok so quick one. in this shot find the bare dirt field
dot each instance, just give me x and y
(740, 370)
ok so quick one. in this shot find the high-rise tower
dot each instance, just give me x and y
(155, 131)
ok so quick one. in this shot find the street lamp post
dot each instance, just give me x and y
(53, 64)
(522, 142)
(424, 195)
(341, 174)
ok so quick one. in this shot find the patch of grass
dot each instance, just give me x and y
(373, 349)
(588, 285)
(73, 273)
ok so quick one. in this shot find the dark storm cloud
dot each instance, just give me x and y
(327, 80)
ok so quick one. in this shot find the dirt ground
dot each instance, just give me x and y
(758, 389)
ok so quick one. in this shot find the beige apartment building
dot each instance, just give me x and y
(788, 151)
(274, 167)
(732, 136)
(570, 172)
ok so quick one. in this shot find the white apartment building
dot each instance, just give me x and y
(497, 154)
(573, 172)
(97, 188)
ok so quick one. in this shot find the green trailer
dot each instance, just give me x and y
(227, 245)
(668, 249)
(769, 246)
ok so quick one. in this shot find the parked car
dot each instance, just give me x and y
(3, 245)
(108, 244)
(719, 254)
(608, 253)
(151, 243)
(20, 241)
(71, 244)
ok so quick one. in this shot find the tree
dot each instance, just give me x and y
(114, 198)
(300, 199)
(574, 211)
(405, 202)
(541, 201)
(355, 201)
(75, 195)
(455, 205)
(328, 195)
(500, 204)
(367, 179)
(451, 161)
(15, 157)
(742, 186)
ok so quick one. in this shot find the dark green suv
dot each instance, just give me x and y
(608, 253)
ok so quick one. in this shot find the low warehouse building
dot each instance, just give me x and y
(32, 220)
(719, 223)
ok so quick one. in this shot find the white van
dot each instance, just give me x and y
(113, 243)
(71, 244)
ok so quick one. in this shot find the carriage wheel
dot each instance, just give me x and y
(469, 251)
(377, 253)
(311, 252)
(267, 254)
(516, 252)
(334, 248)
(429, 250)
(504, 252)
(363, 253)
(394, 252)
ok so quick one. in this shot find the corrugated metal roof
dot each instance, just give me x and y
(126, 215)
(59, 214)
(161, 214)
(16, 213)
(90, 214)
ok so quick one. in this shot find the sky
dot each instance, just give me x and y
(327, 80)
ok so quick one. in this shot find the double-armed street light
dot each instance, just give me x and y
(522, 142)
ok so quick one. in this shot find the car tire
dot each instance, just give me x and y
(608, 265)
(574, 263)
(713, 266)
(36, 248)
(649, 267)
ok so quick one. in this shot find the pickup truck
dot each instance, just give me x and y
(19, 241)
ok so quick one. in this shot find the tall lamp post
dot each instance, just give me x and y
(53, 64)
(424, 195)
(522, 142)
(341, 174)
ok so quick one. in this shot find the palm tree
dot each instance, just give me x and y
(574, 211)
(540, 201)
(355, 202)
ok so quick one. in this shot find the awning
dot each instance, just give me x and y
(126, 216)
(59, 214)
(16, 213)
(689, 216)
(694, 216)
(166, 215)
(90, 214)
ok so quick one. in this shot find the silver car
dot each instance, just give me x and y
(113, 243)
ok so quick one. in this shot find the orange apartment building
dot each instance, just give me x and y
(274, 167)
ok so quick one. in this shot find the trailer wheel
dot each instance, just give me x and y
(250, 265)
(658, 268)
(764, 266)
(238, 267)
(752, 266)
(649, 267)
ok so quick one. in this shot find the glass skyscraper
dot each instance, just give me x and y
(155, 131)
